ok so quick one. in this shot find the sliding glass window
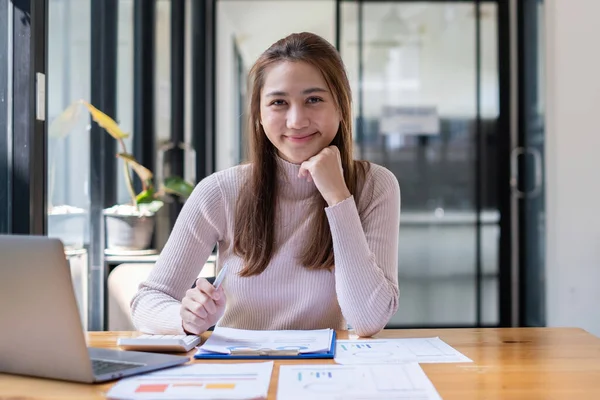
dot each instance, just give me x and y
(425, 82)
(69, 80)
(430, 93)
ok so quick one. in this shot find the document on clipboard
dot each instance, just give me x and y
(240, 343)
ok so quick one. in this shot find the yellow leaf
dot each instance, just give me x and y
(106, 122)
(144, 173)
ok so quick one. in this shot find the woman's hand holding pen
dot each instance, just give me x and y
(325, 170)
(202, 307)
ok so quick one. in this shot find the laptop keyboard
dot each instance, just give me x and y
(101, 367)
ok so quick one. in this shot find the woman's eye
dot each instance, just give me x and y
(314, 100)
(277, 102)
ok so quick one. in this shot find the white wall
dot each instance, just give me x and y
(573, 164)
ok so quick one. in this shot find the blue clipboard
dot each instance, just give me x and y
(270, 354)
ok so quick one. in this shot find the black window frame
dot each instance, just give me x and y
(5, 136)
(28, 107)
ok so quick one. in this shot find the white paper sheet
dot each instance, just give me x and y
(371, 352)
(432, 350)
(198, 381)
(394, 351)
(364, 382)
(224, 340)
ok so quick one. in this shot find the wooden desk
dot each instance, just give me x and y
(526, 363)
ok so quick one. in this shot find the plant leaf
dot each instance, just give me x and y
(177, 186)
(64, 123)
(147, 196)
(105, 122)
(144, 173)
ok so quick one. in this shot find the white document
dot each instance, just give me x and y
(373, 351)
(364, 382)
(394, 351)
(198, 381)
(432, 350)
(226, 340)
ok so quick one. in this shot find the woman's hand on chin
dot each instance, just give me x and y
(325, 170)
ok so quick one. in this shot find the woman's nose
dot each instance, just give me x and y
(297, 118)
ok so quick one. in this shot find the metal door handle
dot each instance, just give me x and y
(514, 172)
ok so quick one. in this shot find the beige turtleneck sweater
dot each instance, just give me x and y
(362, 289)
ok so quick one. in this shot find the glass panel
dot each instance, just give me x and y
(189, 169)
(125, 89)
(68, 136)
(162, 106)
(490, 216)
(163, 75)
(534, 204)
(241, 38)
(418, 82)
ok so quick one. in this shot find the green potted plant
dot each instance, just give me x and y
(130, 226)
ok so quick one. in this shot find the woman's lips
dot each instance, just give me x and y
(301, 138)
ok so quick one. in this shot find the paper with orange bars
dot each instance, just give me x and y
(198, 381)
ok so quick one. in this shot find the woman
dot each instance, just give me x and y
(281, 220)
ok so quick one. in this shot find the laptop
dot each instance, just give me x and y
(41, 330)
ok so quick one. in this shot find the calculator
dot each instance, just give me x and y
(160, 343)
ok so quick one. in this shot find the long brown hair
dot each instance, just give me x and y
(255, 216)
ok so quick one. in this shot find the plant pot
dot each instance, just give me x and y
(69, 224)
(128, 232)
(128, 228)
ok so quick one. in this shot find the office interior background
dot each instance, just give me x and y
(484, 111)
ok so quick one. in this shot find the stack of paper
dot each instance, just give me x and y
(198, 381)
(364, 382)
(229, 340)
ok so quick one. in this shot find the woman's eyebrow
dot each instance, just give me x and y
(306, 91)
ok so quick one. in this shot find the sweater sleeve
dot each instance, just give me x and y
(155, 308)
(366, 255)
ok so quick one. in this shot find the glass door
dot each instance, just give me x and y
(528, 159)
(426, 85)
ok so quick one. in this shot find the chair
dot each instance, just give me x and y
(123, 283)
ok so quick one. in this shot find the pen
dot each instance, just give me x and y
(220, 277)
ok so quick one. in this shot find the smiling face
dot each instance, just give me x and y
(297, 110)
